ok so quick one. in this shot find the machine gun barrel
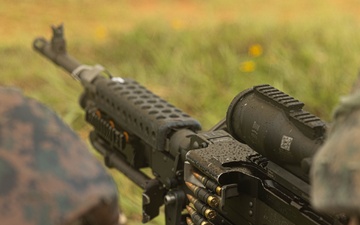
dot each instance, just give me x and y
(239, 183)
(133, 128)
(56, 50)
(126, 102)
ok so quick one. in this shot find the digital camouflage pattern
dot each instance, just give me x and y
(336, 166)
(47, 175)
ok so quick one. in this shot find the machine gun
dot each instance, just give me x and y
(250, 168)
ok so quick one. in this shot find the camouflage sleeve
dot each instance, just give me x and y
(47, 175)
(336, 168)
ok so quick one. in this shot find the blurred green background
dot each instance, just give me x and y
(196, 54)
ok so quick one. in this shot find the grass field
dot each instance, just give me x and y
(196, 54)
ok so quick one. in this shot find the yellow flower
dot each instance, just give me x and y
(177, 24)
(255, 50)
(247, 66)
(101, 33)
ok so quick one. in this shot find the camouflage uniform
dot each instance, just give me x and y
(47, 175)
(336, 167)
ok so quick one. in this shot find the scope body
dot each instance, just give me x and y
(275, 125)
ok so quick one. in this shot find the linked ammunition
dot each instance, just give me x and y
(189, 221)
(200, 207)
(203, 195)
(196, 217)
(208, 183)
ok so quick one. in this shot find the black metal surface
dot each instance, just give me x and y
(140, 112)
(113, 160)
(275, 125)
(274, 193)
(153, 198)
(174, 204)
(56, 50)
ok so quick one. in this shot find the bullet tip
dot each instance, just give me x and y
(190, 209)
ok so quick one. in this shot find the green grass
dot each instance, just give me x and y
(198, 69)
